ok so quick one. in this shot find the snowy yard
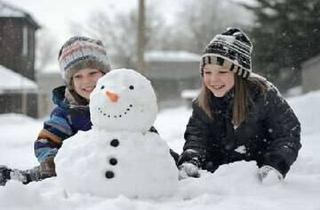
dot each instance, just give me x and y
(233, 186)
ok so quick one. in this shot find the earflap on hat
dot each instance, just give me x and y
(231, 49)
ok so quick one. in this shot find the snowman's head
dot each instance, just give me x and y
(123, 100)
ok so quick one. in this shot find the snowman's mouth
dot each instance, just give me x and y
(109, 115)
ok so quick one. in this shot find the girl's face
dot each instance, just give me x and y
(85, 80)
(218, 79)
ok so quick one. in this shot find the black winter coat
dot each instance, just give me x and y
(270, 135)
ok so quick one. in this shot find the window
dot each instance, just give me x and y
(25, 41)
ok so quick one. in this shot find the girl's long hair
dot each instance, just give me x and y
(241, 97)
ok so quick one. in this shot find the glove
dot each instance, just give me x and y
(47, 168)
(188, 170)
(4, 175)
(27, 176)
(15, 174)
(269, 175)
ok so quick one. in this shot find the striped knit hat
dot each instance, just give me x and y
(82, 52)
(231, 49)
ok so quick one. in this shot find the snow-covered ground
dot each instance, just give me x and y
(233, 186)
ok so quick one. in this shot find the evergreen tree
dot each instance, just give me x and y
(285, 34)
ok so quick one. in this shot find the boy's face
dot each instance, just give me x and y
(85, 80)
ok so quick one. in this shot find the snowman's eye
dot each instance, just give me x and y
(102, 87)
(131, 87)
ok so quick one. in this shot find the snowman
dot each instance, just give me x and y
(119, 155)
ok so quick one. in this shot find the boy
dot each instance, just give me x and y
(82, 62)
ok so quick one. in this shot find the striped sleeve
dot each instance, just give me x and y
(55, 130)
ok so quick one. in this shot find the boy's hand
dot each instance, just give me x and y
(4, 175)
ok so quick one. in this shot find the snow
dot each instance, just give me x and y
(295, 91)
(7, 10)
(171, 56)
(233, 186)
(140, 166)
(241, 149)
(10, 80)
(190, 93)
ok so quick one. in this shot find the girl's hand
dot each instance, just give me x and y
(269, 175)
(188, 170)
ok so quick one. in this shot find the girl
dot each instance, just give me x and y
(238, 115)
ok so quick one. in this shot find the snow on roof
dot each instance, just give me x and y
(171, 56)
(7, 10)
(10, 80)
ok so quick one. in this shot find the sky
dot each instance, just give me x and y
(57, 15)
(56, 18)
(231, 187)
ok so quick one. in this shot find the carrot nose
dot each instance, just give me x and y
(112, 96)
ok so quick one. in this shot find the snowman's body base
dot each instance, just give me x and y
(109, 164)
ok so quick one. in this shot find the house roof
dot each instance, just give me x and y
(171, 56)
(10, 11)
(12, 81)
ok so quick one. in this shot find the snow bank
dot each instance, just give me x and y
(233, 186)
(307, 108)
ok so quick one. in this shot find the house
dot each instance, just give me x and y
(48, 80)
(17, 93)
(17, 35)
(171, 72)
(311, 74)
(17, 59)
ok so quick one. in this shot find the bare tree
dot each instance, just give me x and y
(195, 24)
(46, 49)
(119, 33)
(199, 20)
(141, 37)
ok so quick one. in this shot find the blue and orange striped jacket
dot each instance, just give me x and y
(64, 122)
